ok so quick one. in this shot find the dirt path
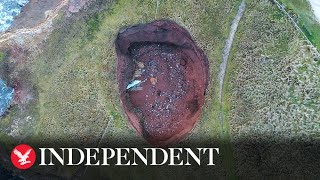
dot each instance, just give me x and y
(226, 53)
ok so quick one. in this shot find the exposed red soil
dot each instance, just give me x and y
(174, 75)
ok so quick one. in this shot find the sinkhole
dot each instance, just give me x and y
(162, 79)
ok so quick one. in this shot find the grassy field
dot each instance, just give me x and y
(2, 56)
(275, 75)
(79, 72)
(273, 88)
(302, 11)
(77, 91)
(270, 91)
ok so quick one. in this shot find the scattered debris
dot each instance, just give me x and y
(133, 84)
(153, 81)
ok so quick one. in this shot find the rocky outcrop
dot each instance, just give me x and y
(75, 5)
(34, 13)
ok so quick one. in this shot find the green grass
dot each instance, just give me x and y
(271, 91)
(77, 94)
(2, 56)
(63, 66)
(306, 19)
(75, 76)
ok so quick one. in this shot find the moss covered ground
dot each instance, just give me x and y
(271, 89)
(302, 11)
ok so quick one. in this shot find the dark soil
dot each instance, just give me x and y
(174, 74)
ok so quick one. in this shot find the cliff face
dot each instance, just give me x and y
(76, 5)
(34, 13)
(19, 47)
(37, 11)
(35, 22)
(22, 42)
(25, 37)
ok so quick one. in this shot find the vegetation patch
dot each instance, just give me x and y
(273, 92)
(303, 14)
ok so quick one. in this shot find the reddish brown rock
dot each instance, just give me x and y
(174, 76)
